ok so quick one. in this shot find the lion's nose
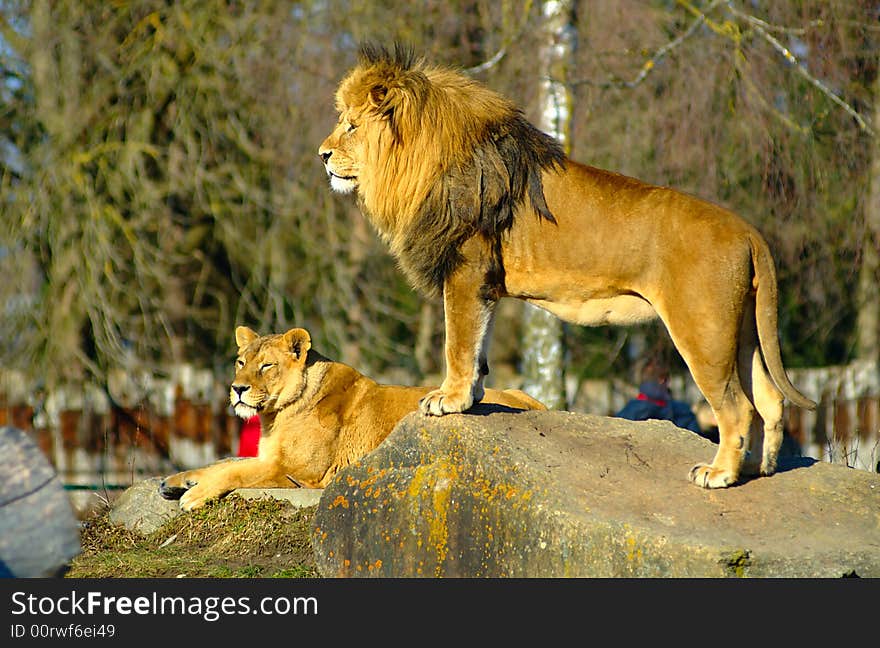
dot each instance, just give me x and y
(325, 155)
(240, 389)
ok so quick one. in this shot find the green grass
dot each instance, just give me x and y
(230, 538)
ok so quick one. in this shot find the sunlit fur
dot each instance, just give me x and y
(436, 157)
(317, 416)
(476, 204)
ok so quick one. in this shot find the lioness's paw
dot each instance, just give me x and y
(440, 402)
(174, 487)
(195, 498)
(706, 476)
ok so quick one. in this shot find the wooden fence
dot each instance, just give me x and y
(141, 425)
(844, 428)
(102, 439)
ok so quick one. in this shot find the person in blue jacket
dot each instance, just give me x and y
(654, 400)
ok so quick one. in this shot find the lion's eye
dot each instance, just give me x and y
(239, 363)
(266, 365)
(351, 128)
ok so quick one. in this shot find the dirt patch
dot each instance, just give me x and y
(230, 538)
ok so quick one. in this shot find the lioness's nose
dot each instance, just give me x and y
(240, 389)
(325, 155)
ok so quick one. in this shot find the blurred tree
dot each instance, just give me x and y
(543, 349)
(868, 292)
(166, 197)
(761, 108)
(159, 183)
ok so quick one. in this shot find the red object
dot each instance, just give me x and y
(642, 397)
(249, 439)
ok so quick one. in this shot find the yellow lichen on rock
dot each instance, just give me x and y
(431, 490)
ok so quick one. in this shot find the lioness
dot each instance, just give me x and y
(316, 415)
(477, 204)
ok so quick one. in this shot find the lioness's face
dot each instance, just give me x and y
(268, 371)
(343, 151)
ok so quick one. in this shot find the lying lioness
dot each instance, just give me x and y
(317, 416)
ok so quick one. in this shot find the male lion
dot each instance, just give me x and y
(477, 204)
(316, 415)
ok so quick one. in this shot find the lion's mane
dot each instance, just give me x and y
(446, 159)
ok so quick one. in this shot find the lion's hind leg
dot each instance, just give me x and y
(766, 430)
(734, 418)
(708, 344)
(734, 413)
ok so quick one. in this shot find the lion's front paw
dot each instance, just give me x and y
(196, 497)
(175, 486)
(440, 402)
(707, 476)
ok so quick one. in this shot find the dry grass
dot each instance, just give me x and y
(230, 538)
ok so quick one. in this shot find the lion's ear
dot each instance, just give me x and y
(298, 341)
(385, 99)
(377, 95)
(244, 336)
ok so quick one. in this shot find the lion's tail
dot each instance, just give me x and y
(766, 305)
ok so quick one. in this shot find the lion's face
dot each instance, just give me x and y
(343, 151)
(269, 371)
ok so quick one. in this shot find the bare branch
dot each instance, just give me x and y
(15, 40)
(649, 65)
(490, 63)
(502, 51)
(761, 28)
(729, 30)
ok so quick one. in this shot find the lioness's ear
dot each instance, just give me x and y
(244, 336)
(298, 341)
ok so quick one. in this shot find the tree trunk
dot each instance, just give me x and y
(543, 343)
(868, 297)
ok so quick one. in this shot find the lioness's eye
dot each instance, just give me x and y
(265, 366)
(239, 363)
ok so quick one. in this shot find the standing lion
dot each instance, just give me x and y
(477, 204)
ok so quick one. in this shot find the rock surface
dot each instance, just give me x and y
(299, 497)
(39, 533)
(141, 508)
(552, 494)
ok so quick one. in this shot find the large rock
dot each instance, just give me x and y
(551, 494)
(39, 533)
